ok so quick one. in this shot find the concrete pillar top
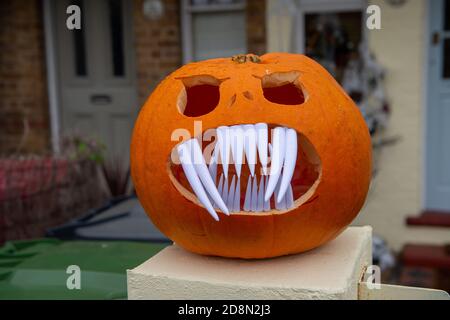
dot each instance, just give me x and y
(331, 271)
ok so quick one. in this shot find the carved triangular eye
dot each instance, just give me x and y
(199, 96)
(283, 88)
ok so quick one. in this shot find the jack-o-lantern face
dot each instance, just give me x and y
(251, 157)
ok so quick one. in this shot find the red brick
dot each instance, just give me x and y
(22, 76)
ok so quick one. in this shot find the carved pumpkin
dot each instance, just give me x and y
(290, 165)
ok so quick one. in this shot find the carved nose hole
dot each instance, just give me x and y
(248, 95)
(232, 100)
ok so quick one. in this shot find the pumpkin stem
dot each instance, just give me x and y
(242, 58)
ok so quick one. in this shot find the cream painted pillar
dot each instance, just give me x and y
(332, 271)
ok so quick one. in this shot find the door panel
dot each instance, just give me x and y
(85, 121)
(98, 93)
(437, 194)
(120, 123)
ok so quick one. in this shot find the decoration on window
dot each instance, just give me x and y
(335, 41)
(364, 81)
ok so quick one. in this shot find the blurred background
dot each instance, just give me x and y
(69, 99)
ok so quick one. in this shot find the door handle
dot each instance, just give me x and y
(101, 99)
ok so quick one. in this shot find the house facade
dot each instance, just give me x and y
(54, 80)
(52, 76)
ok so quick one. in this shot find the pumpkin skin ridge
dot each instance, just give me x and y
(312, 212)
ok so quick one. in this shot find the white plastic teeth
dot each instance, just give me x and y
(238, 145)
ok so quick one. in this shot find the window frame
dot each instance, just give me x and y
(187, 10)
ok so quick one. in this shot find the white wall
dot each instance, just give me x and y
(397, 190)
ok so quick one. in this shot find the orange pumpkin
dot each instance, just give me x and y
(312, 133)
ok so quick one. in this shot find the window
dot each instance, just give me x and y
(117, 45)
(446, 58)
(213, 28)
(333, 39)
(79, 43)
(330, 32)
(446, 46)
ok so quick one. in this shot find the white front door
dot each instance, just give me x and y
(437, 193)
(97, 78)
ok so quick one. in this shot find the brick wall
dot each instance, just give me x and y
(23, 93)
(157, 45)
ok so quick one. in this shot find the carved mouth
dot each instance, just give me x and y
(253, 169)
